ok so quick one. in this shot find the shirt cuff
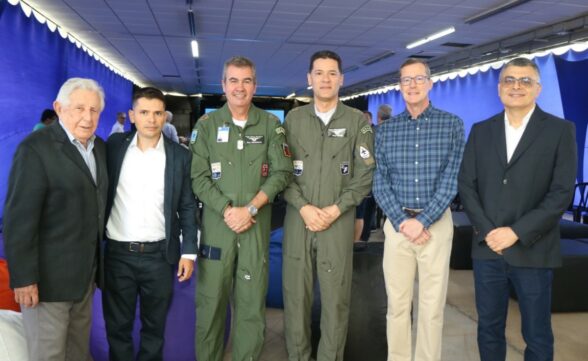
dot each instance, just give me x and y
(191, 257)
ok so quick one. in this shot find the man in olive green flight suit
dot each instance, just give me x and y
(240, 162)
(333, 164)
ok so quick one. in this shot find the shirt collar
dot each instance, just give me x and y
(158, 147)
(526, 119)
(425, 114)
(73, 139)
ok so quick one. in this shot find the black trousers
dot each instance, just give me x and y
(127, 275)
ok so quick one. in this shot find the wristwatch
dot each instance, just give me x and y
(252, 210)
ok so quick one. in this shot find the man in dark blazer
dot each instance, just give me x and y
(516, 180)
(53, 222)
(150, 203)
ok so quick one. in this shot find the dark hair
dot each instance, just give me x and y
(325, 54)
(48, 114)
(239, 62)
(521, 62)
(411, 61)
(149, 93)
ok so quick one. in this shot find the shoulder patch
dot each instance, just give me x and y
(203, 117)
(193, 136)
(280, 130)
(366, 129)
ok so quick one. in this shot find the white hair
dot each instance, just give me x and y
(169, 116)
(73, 84)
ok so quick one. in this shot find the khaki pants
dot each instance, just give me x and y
(402, 259)
(58, 331)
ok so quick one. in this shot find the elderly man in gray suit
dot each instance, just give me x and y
(53, 221)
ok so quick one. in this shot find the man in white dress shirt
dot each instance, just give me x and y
(150, 201)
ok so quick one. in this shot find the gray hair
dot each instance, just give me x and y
(411, 61)
(384, 112)
(73, 84)
(239, 62)
(169, 116)
(521, 62)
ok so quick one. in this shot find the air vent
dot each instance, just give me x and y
(170, 76)
(377, 58)
(457, 45)
(421, 56)
(493, 11)
(350, 69)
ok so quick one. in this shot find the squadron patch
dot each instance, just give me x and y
(345, 168)
(264, 170)
(364, 153)
(194, 136)
(298, 167)
(366, 129)
(280, 130)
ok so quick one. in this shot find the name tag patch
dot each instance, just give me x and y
(254, 139)
(194, 136)
(215, 169)
(337, 133)
(298, 167)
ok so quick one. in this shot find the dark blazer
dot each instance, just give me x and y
(54, 215)
(179, 203)
(529, 193)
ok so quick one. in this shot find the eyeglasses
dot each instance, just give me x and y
(525, 81)
(419, 79)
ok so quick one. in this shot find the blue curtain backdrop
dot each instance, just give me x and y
(34, 62)
(474, 98)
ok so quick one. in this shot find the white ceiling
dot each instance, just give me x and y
(150, 39)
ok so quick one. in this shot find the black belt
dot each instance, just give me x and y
(137, 247)
(412, 213)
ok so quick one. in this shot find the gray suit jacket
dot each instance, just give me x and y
(529, 193)
(179, 203)
(54, 215)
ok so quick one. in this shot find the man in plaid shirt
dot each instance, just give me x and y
(418, 155)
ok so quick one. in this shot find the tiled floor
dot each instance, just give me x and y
(459, 334)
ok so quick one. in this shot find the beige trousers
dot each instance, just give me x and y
(402, 259)
(59, 331)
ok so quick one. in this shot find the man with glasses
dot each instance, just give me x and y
(418, 154)
(517, 178)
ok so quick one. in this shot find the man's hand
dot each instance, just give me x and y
(238, 219)
(412, 229)
(501, 238)
(185, 268)
(27, 296)
(332, 212)
(314, 218)
(423, 238)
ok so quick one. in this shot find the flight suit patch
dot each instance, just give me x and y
(366, 129)
(264, 170)
(337, 133)
(345, 168)
(209, 252)
(215, 169)
(194, 136)
(254, 139)
(286, 150)
(365, 154)
(298, 167)
(280, 130)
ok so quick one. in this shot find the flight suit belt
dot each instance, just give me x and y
(209, 252)
(137, 247)
(411, 212)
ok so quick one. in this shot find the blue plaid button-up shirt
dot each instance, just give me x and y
(417, 162)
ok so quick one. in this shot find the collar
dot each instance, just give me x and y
(405, 115)
(158, 147)
(72, 138)
(526, 119)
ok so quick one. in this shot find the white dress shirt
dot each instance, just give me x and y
(137, 213)
(514, 135)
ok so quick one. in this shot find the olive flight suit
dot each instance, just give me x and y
(230, 165)
(333, 164)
